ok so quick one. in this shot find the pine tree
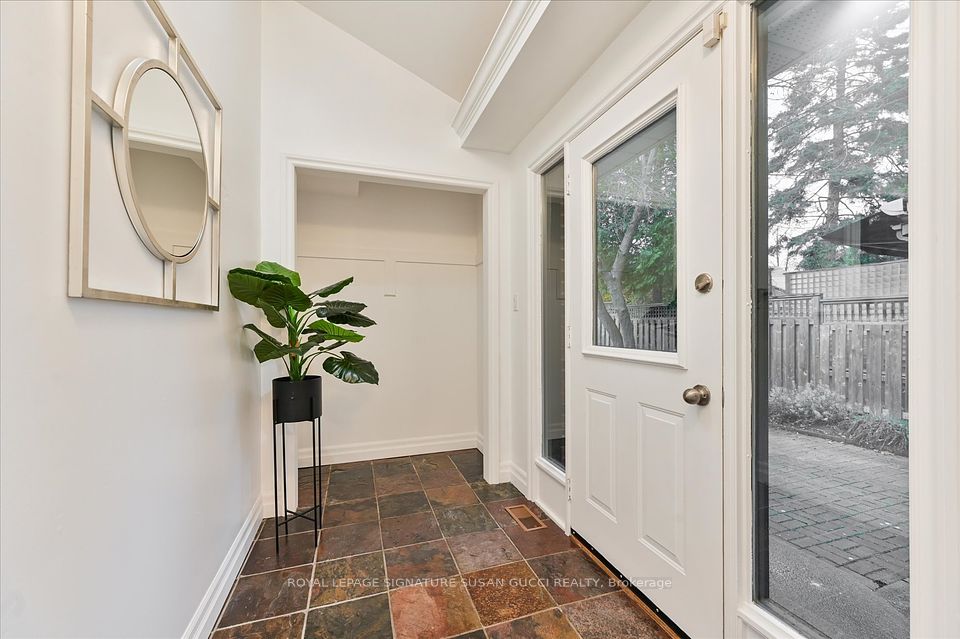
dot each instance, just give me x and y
(838, 141)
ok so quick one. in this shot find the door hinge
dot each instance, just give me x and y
(566, 184)
(713, 29)
(568, 336)
(569, 489)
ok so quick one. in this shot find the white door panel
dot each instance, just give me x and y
(645, 186)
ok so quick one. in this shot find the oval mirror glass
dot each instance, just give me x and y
(167, 169)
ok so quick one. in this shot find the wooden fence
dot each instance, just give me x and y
(857, 348)
(650, 333)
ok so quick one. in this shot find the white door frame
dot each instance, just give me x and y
(490, 440)
(934, 348)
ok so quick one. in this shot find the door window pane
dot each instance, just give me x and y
(635, 200)
(831, 414)
(554, 444)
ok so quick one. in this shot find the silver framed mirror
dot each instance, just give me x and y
(147, 160)
(160, 161)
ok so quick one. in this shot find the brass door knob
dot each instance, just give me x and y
(698, 395)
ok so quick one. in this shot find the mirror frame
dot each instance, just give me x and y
(121, 159)
(86, 104)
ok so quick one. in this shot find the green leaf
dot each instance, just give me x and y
(329, 330)
(351, 369)
(266, 351)
(352, 319)
(266, 336)
(291, 277)
(283, 295)
(332, 289)
(248, 286)
(274, 316)
(338, 307)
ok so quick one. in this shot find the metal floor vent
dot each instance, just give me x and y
(525, 518)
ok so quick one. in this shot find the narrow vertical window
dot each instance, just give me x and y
(554, 442)
(831, 412)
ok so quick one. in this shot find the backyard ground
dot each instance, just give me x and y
(839, 536)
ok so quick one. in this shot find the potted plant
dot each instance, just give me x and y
(315, 326)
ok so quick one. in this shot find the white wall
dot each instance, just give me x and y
(415, 256)
(328, 96)
(129, 442)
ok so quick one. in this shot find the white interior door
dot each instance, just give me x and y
(645, 222)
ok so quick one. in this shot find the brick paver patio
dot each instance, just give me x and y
(844, 504)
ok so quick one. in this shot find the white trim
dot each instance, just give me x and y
(659, 54)
(737, 120)
(515, 28)
(551, 470)
(934, 152)
(201, 624)
(386, 448)
(535, 461)
(496, 380)
(511, 472)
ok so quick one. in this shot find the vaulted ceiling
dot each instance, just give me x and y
(506, 62)
(442, 42)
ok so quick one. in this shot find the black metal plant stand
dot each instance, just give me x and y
(315, 512)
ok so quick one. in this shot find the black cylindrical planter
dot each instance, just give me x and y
(296, 401)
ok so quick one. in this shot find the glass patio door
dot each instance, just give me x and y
(832, 414)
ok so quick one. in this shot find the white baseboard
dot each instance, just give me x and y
(344, 453)
(482, 443)
(205, 616)
(511, 472)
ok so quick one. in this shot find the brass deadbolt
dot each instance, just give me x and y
(703, 283)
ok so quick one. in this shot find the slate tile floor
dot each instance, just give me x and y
(421, 548)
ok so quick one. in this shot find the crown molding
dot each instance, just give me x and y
(518, 23)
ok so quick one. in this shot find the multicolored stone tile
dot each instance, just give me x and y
(350, 512)
(403, 504)
(614, 615)
(471, 472)
(468, 519)
(432, 611)
(495, 492)
(452, 496)
(479, 550)
(343, 541)
(420, 563)
(476, 634)
(431, 463)
(506, 592)
(288, 627)
(549, 624)
(536, 543)
(395, 484)
(269, 594)
(367, 618)
(471, 456)
(393, 466)
(295, 550)
(570, 576)
(409, 529)
(342, 579)
(340, 491)
(442, 477)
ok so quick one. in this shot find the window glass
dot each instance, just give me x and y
(635, 240)
(831, 414)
